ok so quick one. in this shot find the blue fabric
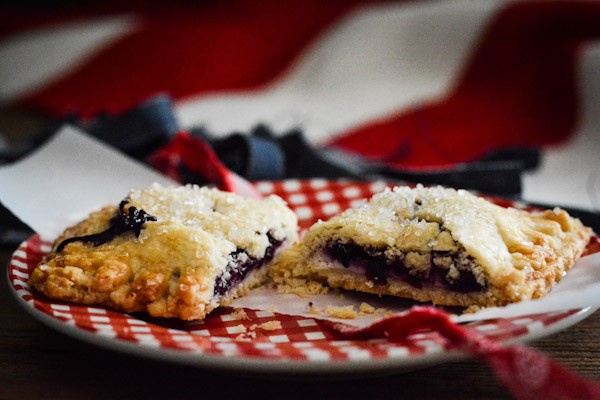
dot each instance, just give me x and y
(140, 130)
(261, 154)
(265, 161)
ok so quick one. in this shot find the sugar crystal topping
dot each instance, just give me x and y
(244, 222)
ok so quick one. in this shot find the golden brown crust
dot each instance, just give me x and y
(170, 270)
(512, 254)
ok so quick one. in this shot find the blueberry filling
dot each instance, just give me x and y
(241, 265)
(438, 269)
(123, 221)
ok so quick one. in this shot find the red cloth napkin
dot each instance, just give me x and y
(528, 374)
(194, 154)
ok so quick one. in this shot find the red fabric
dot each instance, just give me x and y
(189, 50)
(200, 159)
(517, 90)
(525, 372)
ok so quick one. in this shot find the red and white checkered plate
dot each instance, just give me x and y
(300, 345)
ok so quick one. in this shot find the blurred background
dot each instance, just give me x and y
(500, 97)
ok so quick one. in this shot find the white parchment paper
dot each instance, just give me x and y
(74, 174)
(579, 289)
(67, 178)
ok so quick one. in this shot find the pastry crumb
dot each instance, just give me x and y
(270, 326)
(312, 309)
(302, 287)
(240, 314)
(366, 308)
(243, 337)
(343, 312)
(246, 336)
(472, 309)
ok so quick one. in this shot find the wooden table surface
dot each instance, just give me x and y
(37, 362)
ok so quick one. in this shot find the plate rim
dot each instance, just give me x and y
(290, 367)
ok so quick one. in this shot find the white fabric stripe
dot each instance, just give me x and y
(34, 59)
(570, 174)
(20, 253)
(19, 264)
(378, 60)
(20, 274)
(20, 282)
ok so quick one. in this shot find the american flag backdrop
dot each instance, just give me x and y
(410, 84)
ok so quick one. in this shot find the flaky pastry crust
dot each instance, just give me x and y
(181, 265)
(436, 245)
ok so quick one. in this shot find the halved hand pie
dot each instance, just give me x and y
(173, 252)
(440, 245)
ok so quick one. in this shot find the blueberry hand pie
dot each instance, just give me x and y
(172, 252)
(437, 245)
